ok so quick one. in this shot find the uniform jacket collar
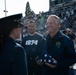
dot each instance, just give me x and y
(9, 39)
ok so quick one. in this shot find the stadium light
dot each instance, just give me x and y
(5, 8)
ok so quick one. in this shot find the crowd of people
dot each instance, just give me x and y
(36, 54)
(66, 13)
(46, 48)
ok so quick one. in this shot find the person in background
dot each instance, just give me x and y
(34, 44)
(70, 34)
(64, 31)
(60, 47)
(12, 55)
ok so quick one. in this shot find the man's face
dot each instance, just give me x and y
(31, 28)
(52, 25)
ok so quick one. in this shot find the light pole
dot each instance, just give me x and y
(5, 8)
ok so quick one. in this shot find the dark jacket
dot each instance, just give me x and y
(34, 45)
(12, 59)
(61, 48)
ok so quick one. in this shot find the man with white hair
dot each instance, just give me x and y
(60, 47)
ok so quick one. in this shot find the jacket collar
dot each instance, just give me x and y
(58, 35)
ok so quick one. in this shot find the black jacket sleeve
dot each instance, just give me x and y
(70, 58)
(19, 66)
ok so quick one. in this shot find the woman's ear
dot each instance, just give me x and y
(13, 31)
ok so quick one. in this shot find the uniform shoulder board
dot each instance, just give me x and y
(18, 44)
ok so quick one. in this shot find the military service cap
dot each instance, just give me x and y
(11, 20)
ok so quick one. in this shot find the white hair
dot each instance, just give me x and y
(56, 17)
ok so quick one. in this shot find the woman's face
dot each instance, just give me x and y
(17, 32)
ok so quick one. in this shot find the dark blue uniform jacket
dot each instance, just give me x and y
(12, 59)
(61, 48)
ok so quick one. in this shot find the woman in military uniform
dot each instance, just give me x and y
(12, 55)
